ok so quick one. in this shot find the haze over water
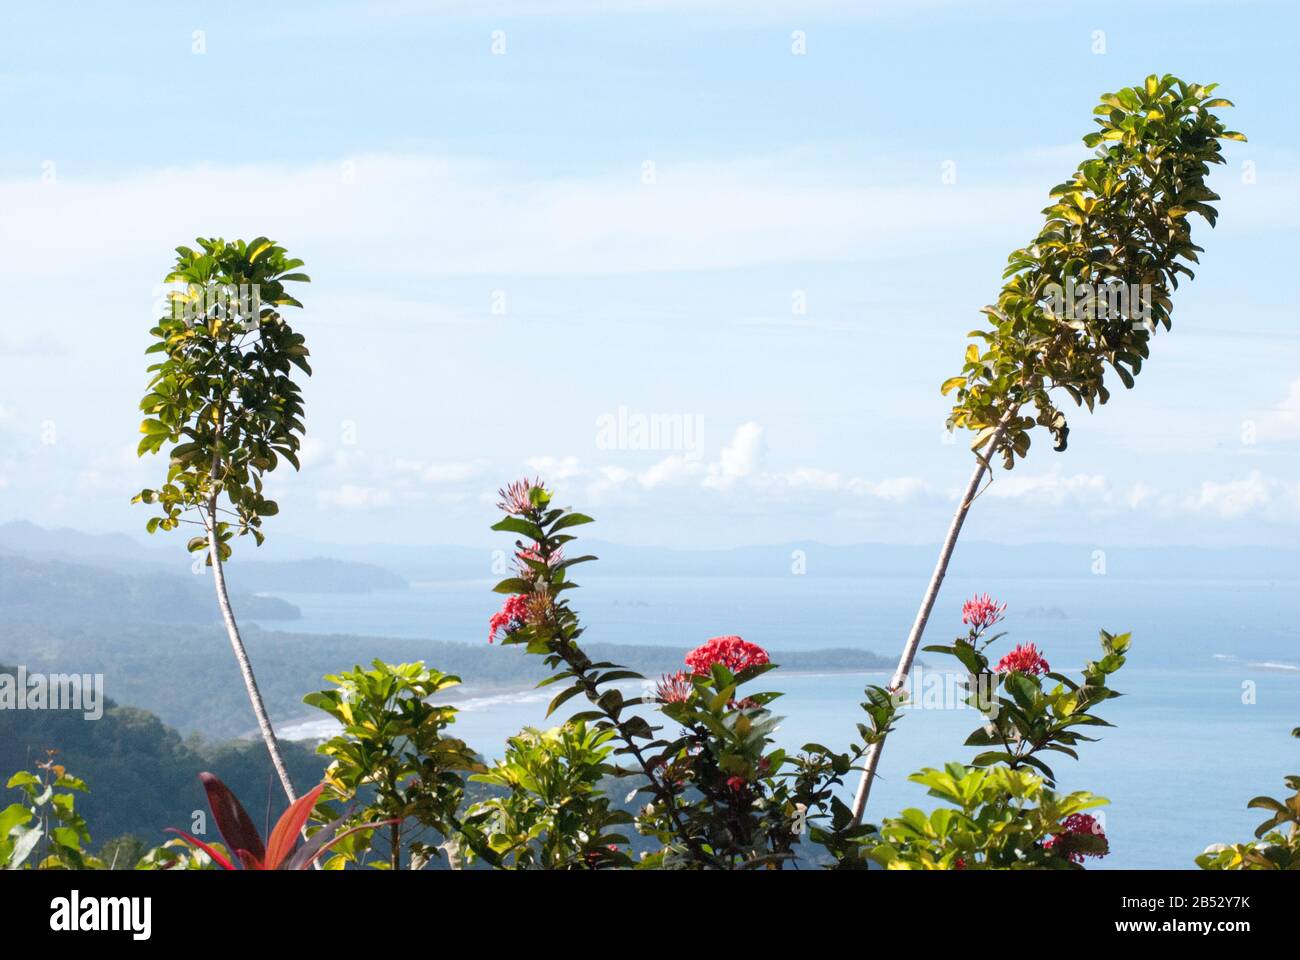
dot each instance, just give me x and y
(1185, 756)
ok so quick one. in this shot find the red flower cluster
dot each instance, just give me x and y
(732, 652)
(674, 688)
(1024, 659)
(736, 783)
(981, 612)
(1076, 825)
(512, 615)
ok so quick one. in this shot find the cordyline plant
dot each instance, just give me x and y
(1088, 294)
(222, 395)
(282, 851)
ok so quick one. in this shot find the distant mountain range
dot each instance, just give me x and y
(44, 591)
(299, 564)
(121, 553)
(78, 602)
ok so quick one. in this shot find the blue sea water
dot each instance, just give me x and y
(1212, 685)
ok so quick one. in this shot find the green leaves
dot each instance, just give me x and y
(550, 812)
(393, 750)
(1119, 225)
(223, 393)
(46, 820)
(1273, 849)
(1000, 818)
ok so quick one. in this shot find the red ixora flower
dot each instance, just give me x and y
(1077, 825)
(512, 615)
(981, 612)
(736, 783)
(1024, 659)
(515, 498)
(732, 652)
(674, 688)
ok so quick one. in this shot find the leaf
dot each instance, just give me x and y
(562, 697)
(323, 839)
(285, 832)
(570, 520)
(12, 816)
(199, 844)
(232, 820)
(24, 843)
(521, 526)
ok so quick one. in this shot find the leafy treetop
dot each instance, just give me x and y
(222, 391)
(1122, 219)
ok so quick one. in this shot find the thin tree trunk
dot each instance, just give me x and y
(923, 614)
(241, 657)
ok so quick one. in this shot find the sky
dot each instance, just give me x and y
(535, 227)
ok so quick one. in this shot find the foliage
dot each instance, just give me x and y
(123, 853)
(1000, 819)
(749, 801)
(1004, 813)
(222, 393)
(392, 745)
(110, 754)
(551, 813)
(718, 795)
(1273, 849)
(1121, 219)
(45, 824)
(1024, 718)
(178, 854)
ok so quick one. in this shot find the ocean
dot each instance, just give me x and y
(1212, 683)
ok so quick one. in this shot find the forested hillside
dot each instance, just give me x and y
(142, 775)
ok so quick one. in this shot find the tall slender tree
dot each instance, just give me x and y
(1088, 294)
(223, 397)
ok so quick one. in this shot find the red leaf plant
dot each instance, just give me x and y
(279, 851)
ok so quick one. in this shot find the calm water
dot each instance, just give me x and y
(1181, 763)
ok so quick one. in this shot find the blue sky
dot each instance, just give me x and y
(524, 218)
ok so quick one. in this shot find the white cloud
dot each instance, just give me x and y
(1283, 421)
(453, 472)
(1052, 488)
(699, 215)
(1235, 497)
(739, 458)
(555, 468)
(352, 497)
(311, 452)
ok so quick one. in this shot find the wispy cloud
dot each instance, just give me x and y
(482, 219)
